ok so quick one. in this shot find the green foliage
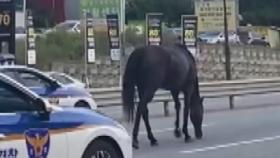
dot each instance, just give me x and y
(62, 47)
(59, 46)
(172, 10)
(134, 39)
(260, 12)
(256, 12)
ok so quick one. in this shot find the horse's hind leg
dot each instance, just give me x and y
(177, 131)
(135, 143)
(142, 110)
(147, 96)
(148, 127)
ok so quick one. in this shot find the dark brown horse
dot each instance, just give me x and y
(171, 68)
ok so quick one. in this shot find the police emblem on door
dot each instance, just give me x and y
(37, 142)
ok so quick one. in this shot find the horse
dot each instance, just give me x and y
(171, 68)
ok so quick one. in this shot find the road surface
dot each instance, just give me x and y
(252, 130)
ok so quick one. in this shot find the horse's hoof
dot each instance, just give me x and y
(135, 144)
(154, 143)
(198, 135)
(188, 139)
(177, 133)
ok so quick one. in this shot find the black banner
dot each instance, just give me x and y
(30, 39)
(153, 28)
(114, 36)
(7, 24)
(90, 39)
(189, 30)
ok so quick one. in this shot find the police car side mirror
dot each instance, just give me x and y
(42, 109)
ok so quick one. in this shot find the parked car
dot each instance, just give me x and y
(66, 80)
(207, 36)
(256, 39)
(220, 38)
(31, 127)
(49, 88)
(71, 26)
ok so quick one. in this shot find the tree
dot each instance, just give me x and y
(256, 12)
(172, 10)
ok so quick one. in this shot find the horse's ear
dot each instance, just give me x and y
(201, 99)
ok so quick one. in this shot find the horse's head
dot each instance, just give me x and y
(197, 111)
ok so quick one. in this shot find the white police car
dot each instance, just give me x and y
(32, 128)
(48, 88)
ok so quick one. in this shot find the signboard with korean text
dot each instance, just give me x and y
(210, 15)
(154, 28)
(7, 24)
(90, 39)
(114, 37)
(30, 40)
(189, 33)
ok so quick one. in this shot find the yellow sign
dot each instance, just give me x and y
(189, 34)
(113, 32)
(154, 33)
(210, 15)
(90, 32)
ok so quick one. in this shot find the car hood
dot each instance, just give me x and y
(81, 117)
(62, 119)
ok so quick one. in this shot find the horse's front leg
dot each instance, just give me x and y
(177, 131)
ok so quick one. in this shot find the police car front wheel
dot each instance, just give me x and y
(101, 149)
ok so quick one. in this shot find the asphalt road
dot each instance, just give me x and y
(250, 133)
(252, 130)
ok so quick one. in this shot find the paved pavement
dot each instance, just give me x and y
(248, 133)
(252, 130)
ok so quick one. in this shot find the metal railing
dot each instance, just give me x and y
(106, 97)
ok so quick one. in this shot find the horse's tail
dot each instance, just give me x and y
(129, 83)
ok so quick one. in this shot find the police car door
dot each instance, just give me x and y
(22, 133)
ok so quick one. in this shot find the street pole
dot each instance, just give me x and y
(122, 39)
(227, 51)
(25, 26)
(85, 49)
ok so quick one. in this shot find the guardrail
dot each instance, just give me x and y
(106, 97)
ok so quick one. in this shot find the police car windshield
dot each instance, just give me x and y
(61, 78)
(28, 79)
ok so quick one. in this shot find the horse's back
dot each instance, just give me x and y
(166, 67)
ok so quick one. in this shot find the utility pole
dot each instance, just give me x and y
(227, 51)
(122, 39)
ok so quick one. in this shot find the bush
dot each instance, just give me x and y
(65, 47)
(62, 47)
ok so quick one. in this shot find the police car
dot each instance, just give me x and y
(49, 88)
(32, 128)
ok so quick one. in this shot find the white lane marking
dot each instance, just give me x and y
(222, 146)
(171, 129)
